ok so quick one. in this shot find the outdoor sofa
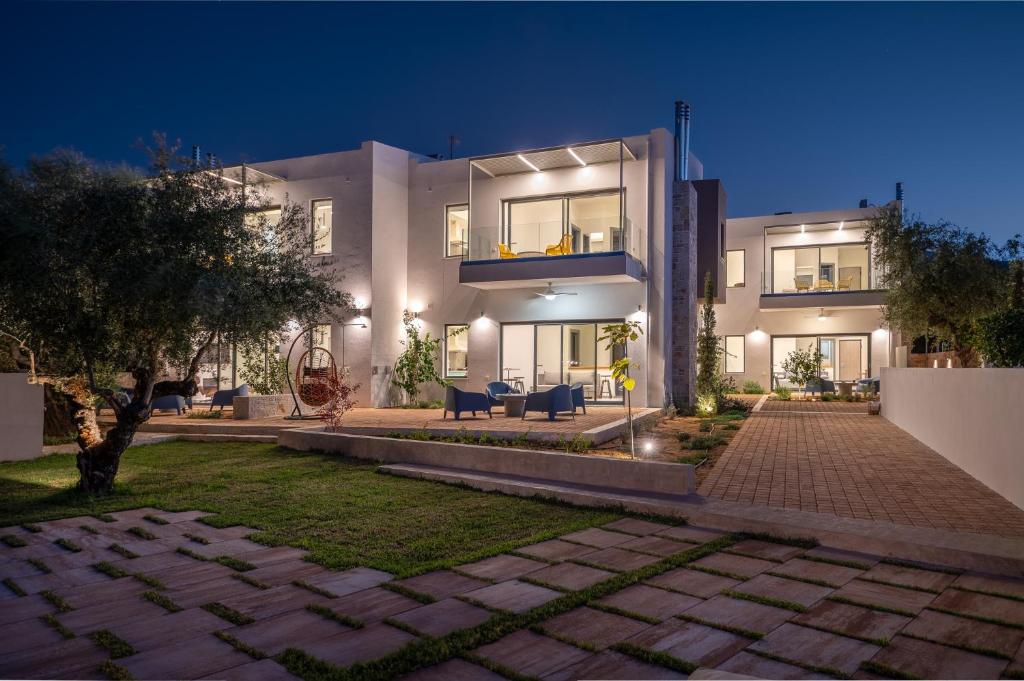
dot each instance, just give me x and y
(458, 401)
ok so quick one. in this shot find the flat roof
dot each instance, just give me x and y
(553, 158)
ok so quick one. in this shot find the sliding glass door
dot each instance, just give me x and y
(843, 357)
(544, 355)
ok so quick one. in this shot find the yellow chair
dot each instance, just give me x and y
(802, 283)
(846, 283)
(505, 252)
(563, 247)
(825, 285)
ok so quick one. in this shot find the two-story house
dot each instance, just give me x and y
(516, 259)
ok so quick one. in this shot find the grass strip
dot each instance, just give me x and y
(240, 646)
(149, 580)
(568, 640)
(427, 652)
(88, 528)
(156, 520)
(765, 600)
(51, 621)
(161, 600)
(972, 616)
(717, 572)
(831, 671)
(234, 563)
(408, 593)
(739, 631)
(836, 561)
(407, 628)
(547, 585)
(117, 548)
(329, 614)
(31, 527)
(881, 642)
(250, 581)
(611, 609)
(303, 584)
(13, 540)
(13, 586)
(191, 554)
(115, 672)
(196, 538)
(227, 614)
(115, 645)
(39, 564)
(142, 533)
(539, 559)
(805, 580)
(56, 601)
(884, 670)
(105, 518)
(109, 570)
(870, 606)
(499, 669)
(883, 582)
(655, 658)
(799, 542)
(927, 567)
(68, 545)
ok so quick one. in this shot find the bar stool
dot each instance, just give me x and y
(605, 384)
(517, 385)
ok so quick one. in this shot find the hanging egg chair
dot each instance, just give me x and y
(313, 376)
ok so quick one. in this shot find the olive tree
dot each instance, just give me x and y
(107, 270)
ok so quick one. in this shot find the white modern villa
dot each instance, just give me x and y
(517, 259)
(808, 281)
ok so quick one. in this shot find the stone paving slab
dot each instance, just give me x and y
(965, 633)
(778, 553)
(734, 565)
(194, 658)
(78, 658)
(749, 665)
(693, 582)
(158, 632)
(105, 616)
(816, 648)
(571, 576)
(500, 568)
(454, 670)
(659, 546)
(214, 591)
(982, 605)
(23, 608)
(593, 627)
(932, 661)
(834, 575)
(741, 614)
(910, 577)
(441, 584)
(784, 589)
(263, 670)
(26, 635)
(695, 643)
(263, 603)
(636, 526)
(556, 549)
(991, 584)
(346, 582)
(514, 596)
(612, 665)
(885, 596)
(619, 560)
(650, 601)
(443, 617)
(597, 537)
(531, 654)
(287, 572)
(372, 605)
(852, 620)
(359, 645)
(694, 535)
(290, 630)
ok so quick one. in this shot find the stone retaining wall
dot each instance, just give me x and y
(261, 406)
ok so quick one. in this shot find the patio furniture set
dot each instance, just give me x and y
(179, 404)
(865, 386)
(561, 399)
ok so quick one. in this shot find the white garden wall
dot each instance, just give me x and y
(21, 418)
(972, 417)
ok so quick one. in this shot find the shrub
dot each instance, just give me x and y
(683, 437)
(705, 426)
(340, 398)
(783, 393)
(706, 442)
(1000, 335)
(753, 388)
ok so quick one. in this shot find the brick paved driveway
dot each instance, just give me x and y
(846, 463)
(160, 595)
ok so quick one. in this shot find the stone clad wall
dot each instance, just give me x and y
(685, 292)
(261, 406)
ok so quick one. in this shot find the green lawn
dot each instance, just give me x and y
(342, 511)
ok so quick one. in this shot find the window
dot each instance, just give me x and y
(821, 269)
(323, 220)
(456, 235)
(734, 350)
(456, 350)
(734, 268)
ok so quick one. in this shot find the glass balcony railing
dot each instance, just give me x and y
(545, 239)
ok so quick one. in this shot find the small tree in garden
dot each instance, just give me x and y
(1001, 334)
(339, 394)
(802, 366)
(107, 271)
(708, 352)
(617, 336)
(263, 369)
(418, 362)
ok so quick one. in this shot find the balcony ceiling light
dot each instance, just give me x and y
(841, 225)
(803, 228)
(576, 156)
(523, 159)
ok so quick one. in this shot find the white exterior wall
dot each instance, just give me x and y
(741, 313)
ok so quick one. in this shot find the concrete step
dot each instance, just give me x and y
(222, 437)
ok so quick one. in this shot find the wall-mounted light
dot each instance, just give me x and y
(523, 159)
(416, 307)
(576, 156)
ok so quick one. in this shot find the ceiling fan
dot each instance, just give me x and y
(550, 293)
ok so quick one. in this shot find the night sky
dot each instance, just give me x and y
(796, 106)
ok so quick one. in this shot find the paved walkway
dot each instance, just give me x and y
(846, 463)
(160, 595)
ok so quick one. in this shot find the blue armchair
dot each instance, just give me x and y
(495, 388)
(458, 401)
(554, 401)
(170, 403)
(578, 401)
(223, 398)
(820, 385)
(869, 385)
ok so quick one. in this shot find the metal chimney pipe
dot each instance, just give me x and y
(682, 141)
(899, 191)
(195, 154)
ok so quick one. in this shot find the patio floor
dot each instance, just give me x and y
(833, 458)
(632, 599)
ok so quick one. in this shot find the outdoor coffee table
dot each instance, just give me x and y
(844, 388)
(514, 403)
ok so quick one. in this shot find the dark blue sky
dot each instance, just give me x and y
(796, 106)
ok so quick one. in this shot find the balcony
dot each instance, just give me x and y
(554, 214)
